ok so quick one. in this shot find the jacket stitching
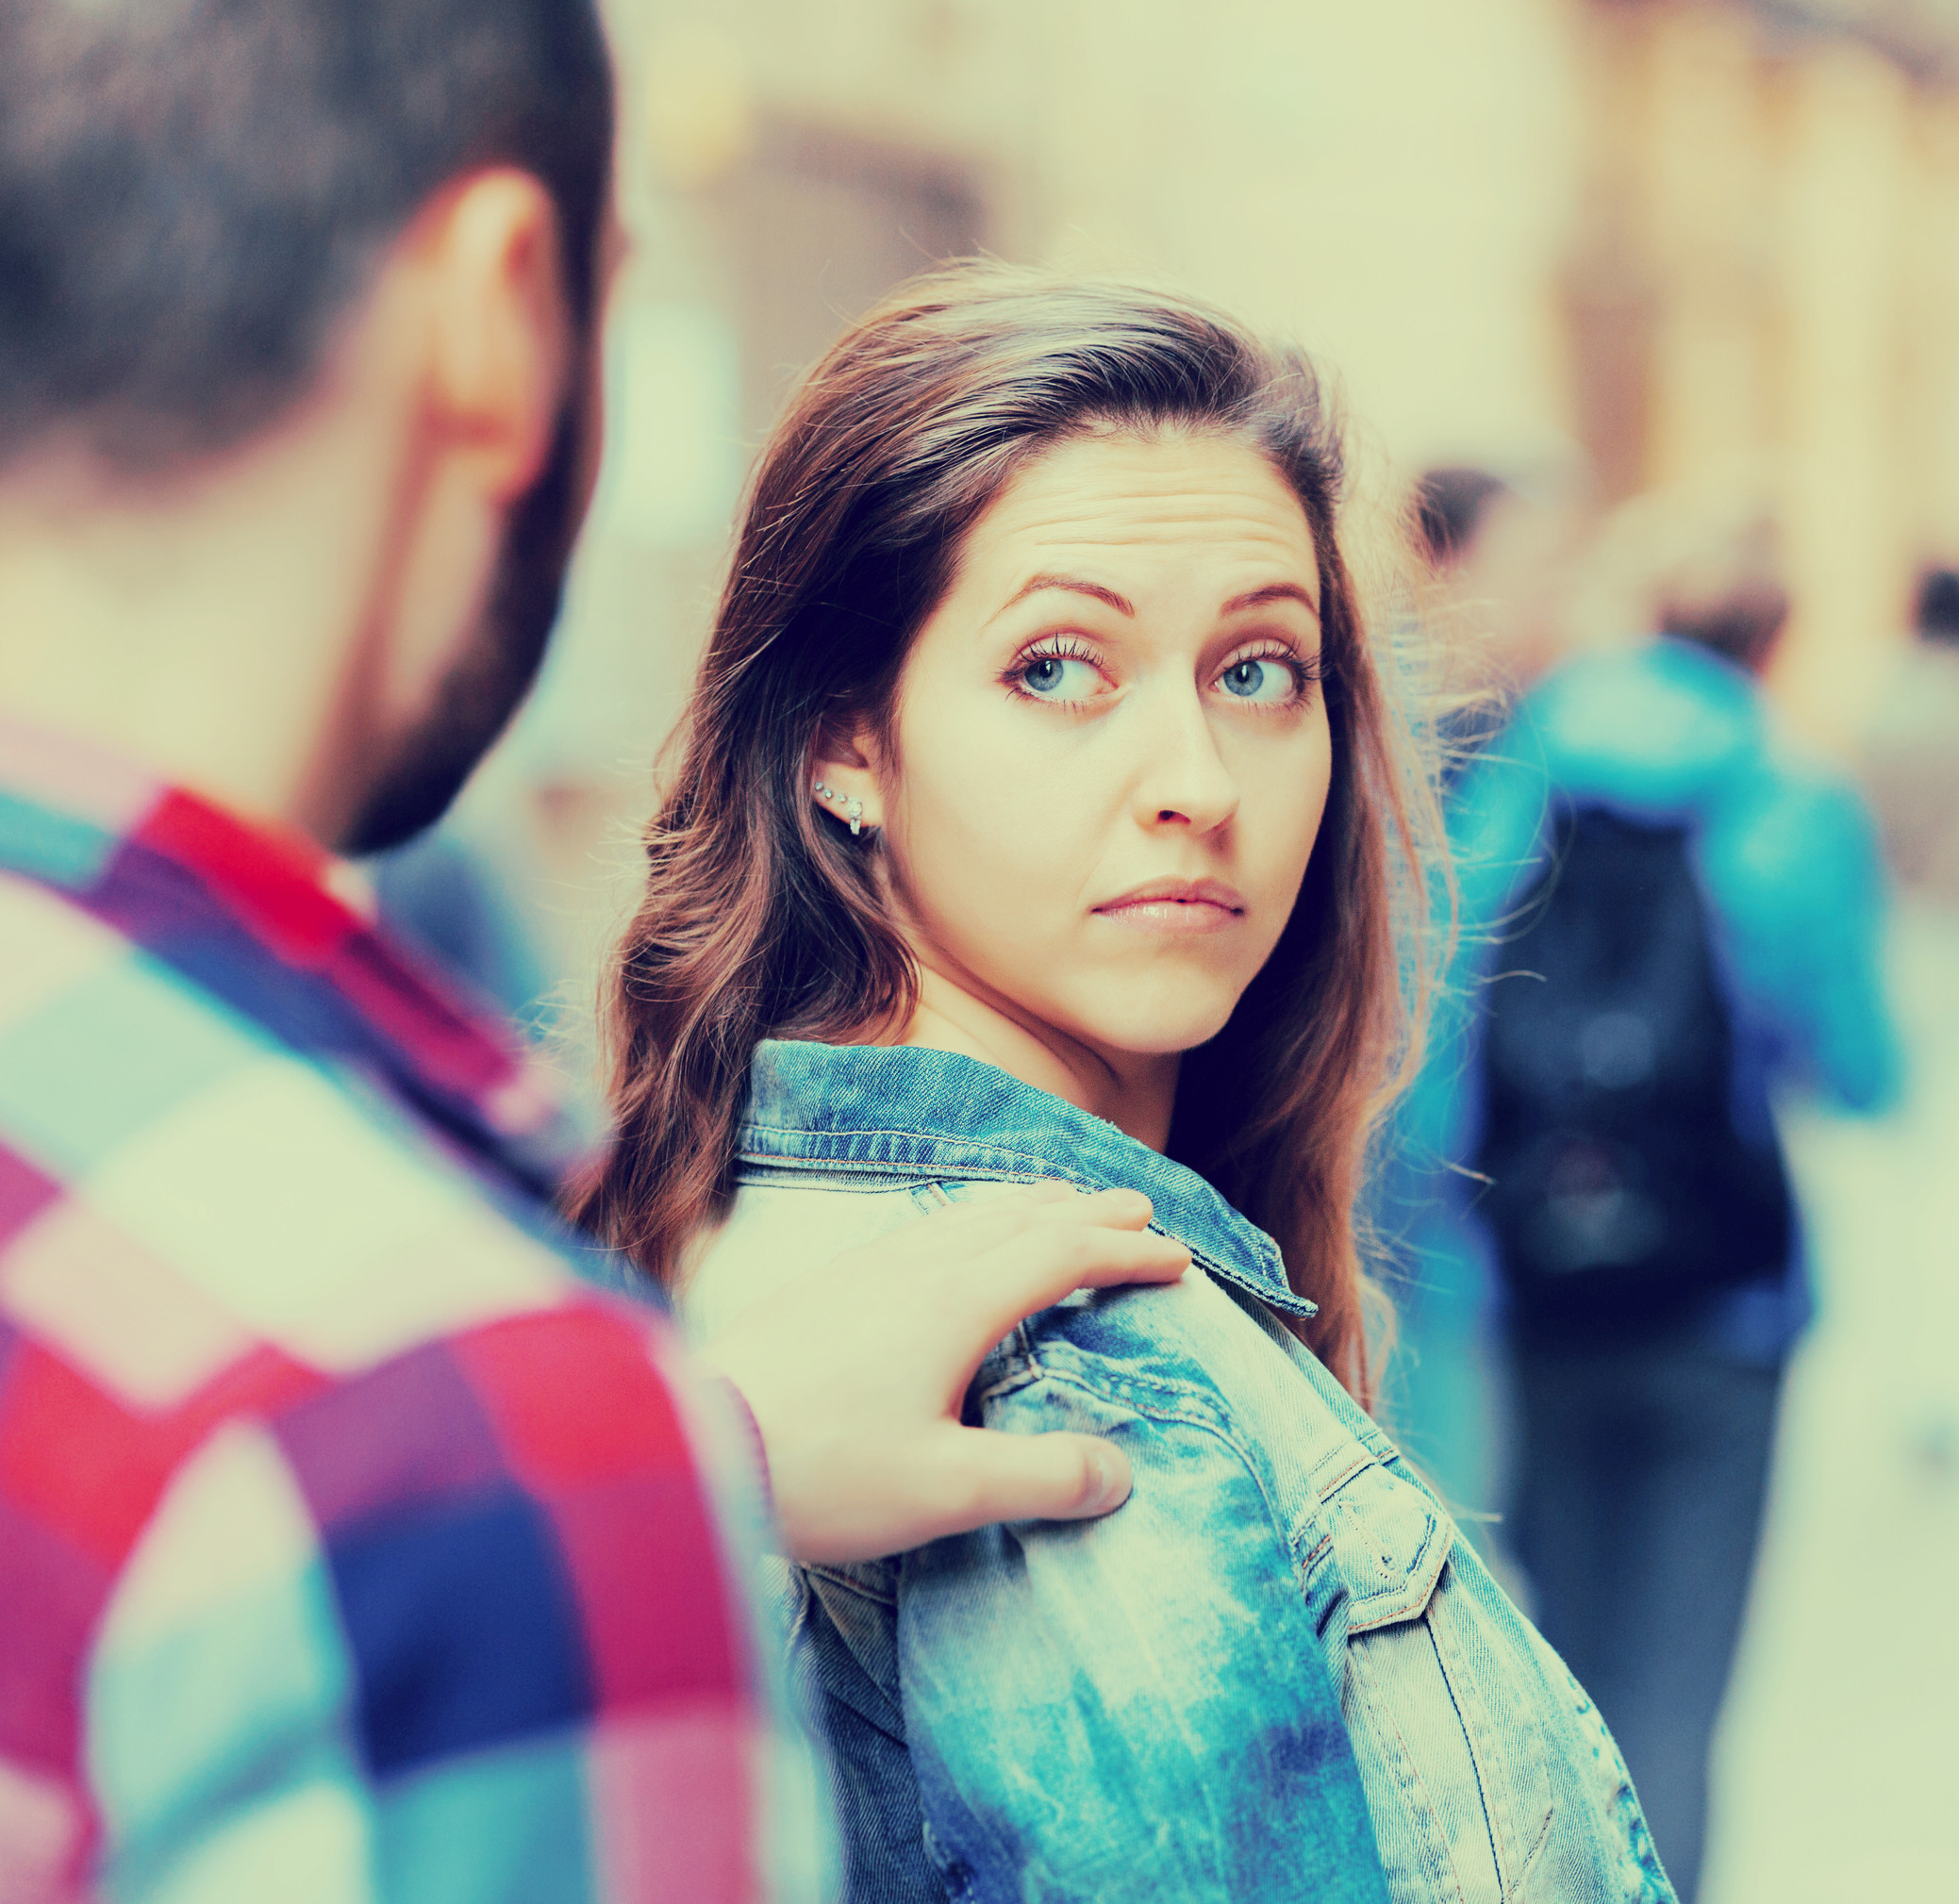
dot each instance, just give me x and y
(1523, 1870)
(1025, 1167)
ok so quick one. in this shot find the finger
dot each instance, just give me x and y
(986, 1212)
(1118, 1209)
(982, 1197)
(1049, 1190)
(998, 1214)
(1036, 1270)
(1031, 1477)
(997, 1220)
(1107, 1260)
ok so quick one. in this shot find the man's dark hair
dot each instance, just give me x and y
(1937, 615)
(1724, 590)
(1450, 505)
(194, 191)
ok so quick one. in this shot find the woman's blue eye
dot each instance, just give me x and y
(1059, 677)
(1267, 681)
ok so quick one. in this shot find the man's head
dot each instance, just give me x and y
(1450, 503)
(1498, 553)
(1935, 610)
(1723, 584)
(201, 202)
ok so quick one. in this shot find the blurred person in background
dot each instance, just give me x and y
(1045, 809)
(1495, 555)
(1909, 764)
(1910, 755)
(1452, 502)
(1498, 553)
(348, 1549)
(1671, 913)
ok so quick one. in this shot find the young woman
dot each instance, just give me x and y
(1038, 817)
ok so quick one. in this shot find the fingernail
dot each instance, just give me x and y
(1048, 1190)
(1108, 1479)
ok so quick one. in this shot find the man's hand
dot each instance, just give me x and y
(856, 1372)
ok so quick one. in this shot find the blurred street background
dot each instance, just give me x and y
(1605, 250)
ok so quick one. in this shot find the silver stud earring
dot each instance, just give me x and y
(826, 792)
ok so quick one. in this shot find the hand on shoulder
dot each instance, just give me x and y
(856, 1371)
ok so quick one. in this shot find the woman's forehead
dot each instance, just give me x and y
(1134, 502)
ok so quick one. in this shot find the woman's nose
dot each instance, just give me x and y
(1183, 779)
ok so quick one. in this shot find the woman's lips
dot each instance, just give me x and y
(1176, 906)
(1188, 916)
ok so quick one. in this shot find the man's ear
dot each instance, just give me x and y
(502, 347)
(469, 339)
(845, 774)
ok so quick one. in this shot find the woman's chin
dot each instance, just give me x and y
(1153, 1035)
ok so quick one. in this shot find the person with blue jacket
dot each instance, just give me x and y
(1666, 912)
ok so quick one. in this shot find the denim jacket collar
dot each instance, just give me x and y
(861, 1108)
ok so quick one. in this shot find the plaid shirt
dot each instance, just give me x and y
(349, 1548)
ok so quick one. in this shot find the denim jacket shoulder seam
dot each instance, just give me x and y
(886, 1181)
(978, 1168)
(1034, 1162)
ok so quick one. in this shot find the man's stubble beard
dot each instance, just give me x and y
(489, 682)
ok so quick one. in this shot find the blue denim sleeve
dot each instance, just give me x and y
(1135, 1708)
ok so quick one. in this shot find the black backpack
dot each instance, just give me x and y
(1620, 1187)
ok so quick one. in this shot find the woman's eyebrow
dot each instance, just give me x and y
(1274, 591)
(1074, 585)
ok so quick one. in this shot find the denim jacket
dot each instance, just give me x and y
(1277, 1672)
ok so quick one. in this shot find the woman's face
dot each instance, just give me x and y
(1112, 748)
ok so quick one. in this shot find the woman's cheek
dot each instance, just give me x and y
(959, 867)
(1280, 819)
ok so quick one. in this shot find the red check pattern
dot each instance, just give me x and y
(344, 1531)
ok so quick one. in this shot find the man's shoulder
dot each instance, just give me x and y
(199, 1224)
(283, 1392)
(155, 1136)
(278, 1382)
(230, 1274)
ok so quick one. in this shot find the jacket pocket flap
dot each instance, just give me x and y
(1390, 1546)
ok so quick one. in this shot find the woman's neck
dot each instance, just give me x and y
(1134, 1092)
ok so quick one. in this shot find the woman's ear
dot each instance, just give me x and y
(845, 776)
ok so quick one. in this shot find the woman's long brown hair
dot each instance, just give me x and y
(762, 919)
